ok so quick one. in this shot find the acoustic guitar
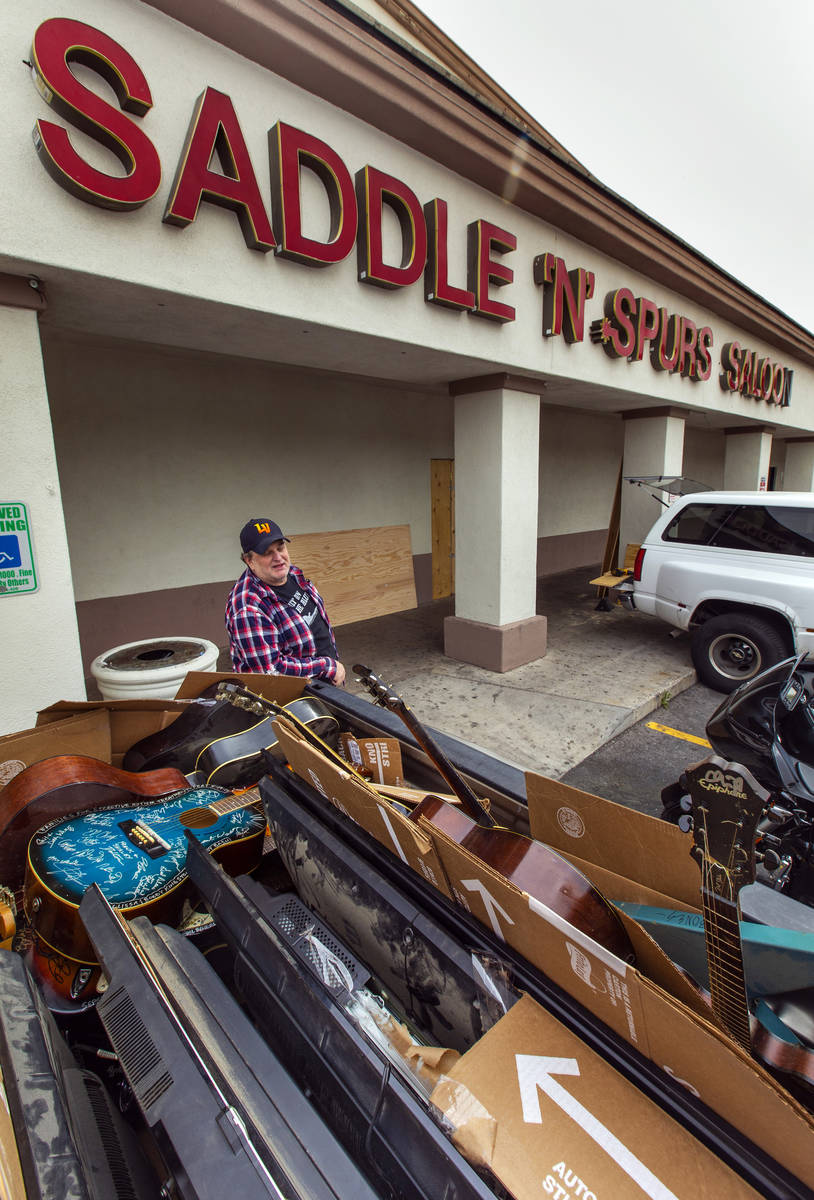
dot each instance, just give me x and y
(532, 866)
(727, 802)
(204, 719)
(136, 855)
(238, 760)
(219, 741)
(67, 783)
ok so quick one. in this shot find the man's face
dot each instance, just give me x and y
(272, 566)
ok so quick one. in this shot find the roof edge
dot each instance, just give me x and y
(324, 49)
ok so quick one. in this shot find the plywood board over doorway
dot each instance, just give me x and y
(442, 492)
(360, 573)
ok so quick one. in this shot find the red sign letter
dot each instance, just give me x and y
(57, 43)
(215, 129)
(437, 289)
(375, 189)
(564, 296)
(731, 363)
(291, 149)
(485, 239)
(647, 326)
(703, 348)
(615, 332)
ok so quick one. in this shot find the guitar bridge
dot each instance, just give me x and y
(144, 838)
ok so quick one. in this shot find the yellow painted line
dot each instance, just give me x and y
(688, 737)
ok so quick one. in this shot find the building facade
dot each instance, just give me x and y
(276, 259)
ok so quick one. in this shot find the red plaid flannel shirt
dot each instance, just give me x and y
(266, 635)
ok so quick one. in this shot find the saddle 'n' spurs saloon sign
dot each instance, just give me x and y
(630, 328)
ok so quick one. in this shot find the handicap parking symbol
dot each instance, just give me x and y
(10, 551)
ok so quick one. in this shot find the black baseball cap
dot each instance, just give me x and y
(257, 535)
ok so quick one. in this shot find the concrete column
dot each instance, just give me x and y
(654, 445)
(38, 630)
(746, 458)
(798, 473)
(497, 438)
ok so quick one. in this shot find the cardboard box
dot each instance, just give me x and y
(124, 722)
(550, 1117)
(360, 802)
(279, 688)
(628, 853)
(86, 733)
(378, 759)
(628, 856)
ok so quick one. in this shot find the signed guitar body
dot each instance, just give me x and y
(64, 784)
(136, 854)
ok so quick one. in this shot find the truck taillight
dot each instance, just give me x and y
(637, 566)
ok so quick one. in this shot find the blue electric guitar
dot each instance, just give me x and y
(137, 856)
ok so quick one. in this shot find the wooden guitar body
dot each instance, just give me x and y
(136, 855)
(64, 784)
(530, 865)
(536, 869)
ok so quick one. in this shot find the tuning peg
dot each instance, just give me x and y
(771, 860)
(685, 822)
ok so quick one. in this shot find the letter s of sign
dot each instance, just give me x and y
(59, 42)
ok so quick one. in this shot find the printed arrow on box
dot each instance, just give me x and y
(535, 1072)
(489, 903)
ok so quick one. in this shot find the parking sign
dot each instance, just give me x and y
(17, 570)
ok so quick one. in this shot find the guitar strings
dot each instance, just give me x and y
(724, 964)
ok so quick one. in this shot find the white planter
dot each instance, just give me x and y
(151, 669)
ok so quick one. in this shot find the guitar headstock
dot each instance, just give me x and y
(381, 692)
(241, 697)
(727, 804)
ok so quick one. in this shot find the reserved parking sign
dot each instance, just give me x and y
(17, 571)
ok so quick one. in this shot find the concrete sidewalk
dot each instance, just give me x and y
(602, 672)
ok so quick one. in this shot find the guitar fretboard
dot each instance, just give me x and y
(725, 963)
(236, 801)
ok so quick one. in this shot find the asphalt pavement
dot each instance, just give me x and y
(633, 767)
(602, 672)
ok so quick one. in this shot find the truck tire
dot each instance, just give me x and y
(728, 650)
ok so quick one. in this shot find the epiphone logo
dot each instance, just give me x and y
(631, 327)
(718, 781)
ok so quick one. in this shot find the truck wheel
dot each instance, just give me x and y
(728, 650)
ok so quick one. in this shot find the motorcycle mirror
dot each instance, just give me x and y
(791, 693)
(792, 689)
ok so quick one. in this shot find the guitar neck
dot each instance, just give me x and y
(725, 962)
(445, 769)
(238, 800)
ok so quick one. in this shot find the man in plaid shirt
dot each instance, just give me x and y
(275, 617)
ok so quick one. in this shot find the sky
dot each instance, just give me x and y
(701, 114)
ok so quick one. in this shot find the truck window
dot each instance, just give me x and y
(697, 524)
(772, 529)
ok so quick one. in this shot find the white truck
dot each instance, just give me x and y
(736, 569)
